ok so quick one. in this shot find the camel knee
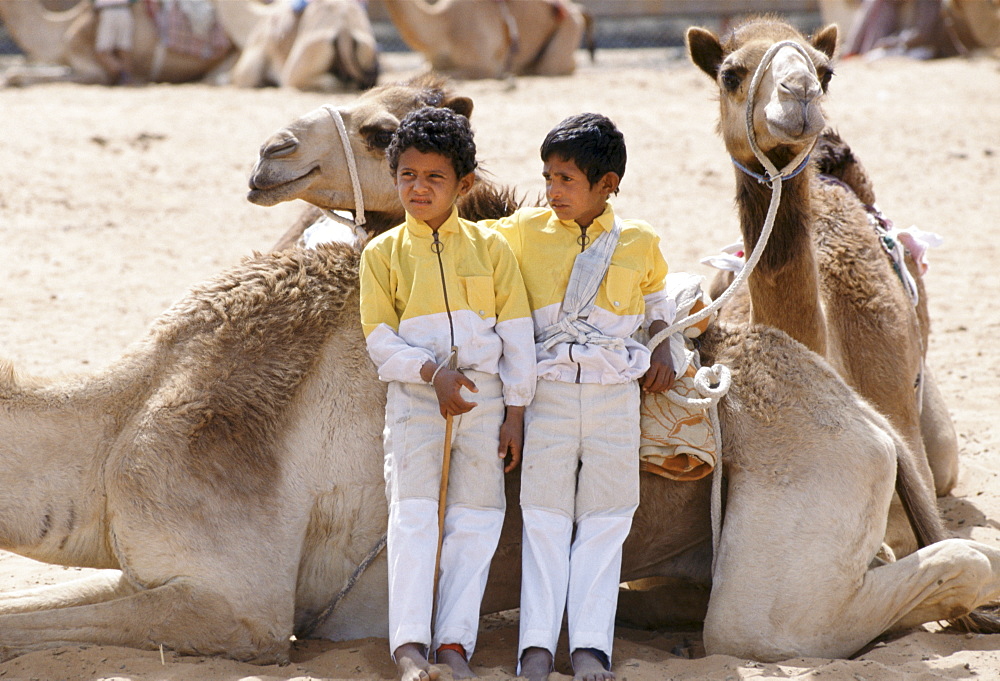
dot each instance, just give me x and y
(748, 640)
(960, 576)
(971, 576)
(197, 621)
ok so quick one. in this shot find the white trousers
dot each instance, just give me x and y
(414, 445)
(580, 467)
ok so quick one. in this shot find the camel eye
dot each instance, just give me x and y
(377, 138)
(825, 75)
(731, 79)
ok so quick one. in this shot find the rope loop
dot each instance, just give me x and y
(712, 383)
(352, 167)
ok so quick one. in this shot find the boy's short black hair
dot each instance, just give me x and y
(435, 130)
(591, 141)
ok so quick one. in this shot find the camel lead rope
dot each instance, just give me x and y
(773, 178)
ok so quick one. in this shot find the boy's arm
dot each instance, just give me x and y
(395, 359)
(660, 312)
(514, 326)
(660, 375)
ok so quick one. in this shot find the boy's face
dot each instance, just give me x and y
(570, 194)
(428, 186)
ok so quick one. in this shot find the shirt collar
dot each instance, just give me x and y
(602, 223)
(420, 228)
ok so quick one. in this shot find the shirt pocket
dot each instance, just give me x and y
(622, 289)
(479, 295)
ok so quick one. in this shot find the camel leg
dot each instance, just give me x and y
(792, 577)
(559, 56)
(179, 615)
(299, 71)
(96, 588)
(250, 69)
(940, 440)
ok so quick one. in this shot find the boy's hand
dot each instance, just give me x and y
(660, 376)
(447, 385)
(512, 437)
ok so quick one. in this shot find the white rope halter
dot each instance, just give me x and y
(713, 382)
(352, 166)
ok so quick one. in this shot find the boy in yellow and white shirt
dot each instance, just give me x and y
(581, 452)
(435, 283)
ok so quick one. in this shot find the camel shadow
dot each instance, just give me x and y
(961, 515)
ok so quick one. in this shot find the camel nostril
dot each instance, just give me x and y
(279, 149)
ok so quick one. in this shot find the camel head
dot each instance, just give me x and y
(306, 159)
(787, 114)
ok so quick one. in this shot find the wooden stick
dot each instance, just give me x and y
(443, 492)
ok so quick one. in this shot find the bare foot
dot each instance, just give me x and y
(586, 667)
(536, 663)
(459, 667)
(411, 665)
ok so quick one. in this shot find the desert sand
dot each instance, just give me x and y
(115, 201)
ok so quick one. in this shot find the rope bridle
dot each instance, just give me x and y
(713, 382)
(358, 223)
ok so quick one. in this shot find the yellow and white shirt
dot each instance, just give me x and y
(403, 310)
(632, 293)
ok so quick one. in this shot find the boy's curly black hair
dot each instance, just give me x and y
(591, 141)
(438, 130)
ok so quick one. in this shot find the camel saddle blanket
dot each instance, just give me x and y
(189, 27)
(678, 441)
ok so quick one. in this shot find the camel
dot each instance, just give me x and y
(328, 45)
(66, 38)
(473, 39)
(824, 278)
(227, 469)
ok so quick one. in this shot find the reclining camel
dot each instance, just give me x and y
(66, 38)
(473, 39)
(229, 467)
(327, 45)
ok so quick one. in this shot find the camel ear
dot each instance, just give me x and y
(462, 105)
(704, 49)
(826, 40)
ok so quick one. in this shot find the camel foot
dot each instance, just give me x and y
(536, 664)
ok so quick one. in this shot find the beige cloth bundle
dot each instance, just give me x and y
(678, 441)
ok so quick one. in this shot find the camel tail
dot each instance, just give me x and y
(984, 620)
(921, 509)
(918, 500)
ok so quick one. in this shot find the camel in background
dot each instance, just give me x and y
(327, 45)
(66, 39)
(473, 39)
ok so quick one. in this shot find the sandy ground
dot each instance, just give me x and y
(114, 201)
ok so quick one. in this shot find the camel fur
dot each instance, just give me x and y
(329, 46)
(66, 38)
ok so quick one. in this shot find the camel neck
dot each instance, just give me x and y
(784, 287)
